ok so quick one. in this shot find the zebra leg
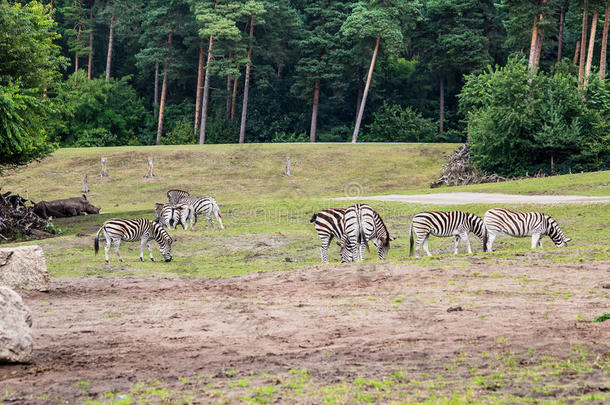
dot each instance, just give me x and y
(209, 218)
(491, 236)
(465, 237)
(535, 240)
(152, 259)
(117, 243)
(142, 243)
(324, 251)
(426, 245)
(107, 247)
(457, 242)
(418, 243)
(361, 251)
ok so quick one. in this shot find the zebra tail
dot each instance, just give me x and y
(411, 240)
(217, 209)
(362, 236)
(96, 242)
(313, 218)
(485, 237)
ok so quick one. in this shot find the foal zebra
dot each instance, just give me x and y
(203, 205)
(168, 214)
(521, 224)
(174, 196)
(328, 224)
(362, 224)
(131, 230)
(444, 224)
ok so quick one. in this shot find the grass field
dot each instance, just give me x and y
(267, 214)
(289, 329)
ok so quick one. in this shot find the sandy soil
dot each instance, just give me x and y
(335, 321)
(482, 198)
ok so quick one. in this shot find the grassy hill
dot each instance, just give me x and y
(267, 214)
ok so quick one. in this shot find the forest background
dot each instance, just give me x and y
(524, 81)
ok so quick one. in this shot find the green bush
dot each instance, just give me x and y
(519, 123)
(182, 134)
(393, 123)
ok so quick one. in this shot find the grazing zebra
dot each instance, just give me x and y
(362, 224)
(206, 206)
(328, 224)
(131, 230)
(521, 224)
(174, 196)
(174, 214)
(444, 224)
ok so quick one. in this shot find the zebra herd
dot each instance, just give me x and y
(182, 207)
(355, 226)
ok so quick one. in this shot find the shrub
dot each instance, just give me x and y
(393, 123)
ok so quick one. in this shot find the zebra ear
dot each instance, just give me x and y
(568, 240)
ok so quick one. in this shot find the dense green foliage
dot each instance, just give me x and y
(29, 62)
(427, 49)
(519, 122)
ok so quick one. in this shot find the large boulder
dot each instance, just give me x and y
(15, 328)
(24, 268)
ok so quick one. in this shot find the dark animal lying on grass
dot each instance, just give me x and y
(68, 207)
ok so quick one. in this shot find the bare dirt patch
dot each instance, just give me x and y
(99, 335)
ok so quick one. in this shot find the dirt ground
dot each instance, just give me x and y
(483, 198)
(99, 335)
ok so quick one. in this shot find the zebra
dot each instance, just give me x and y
(444, 224)
(131, 230)
(328, 224)
(361, 224)
(168, 214)
(521, 224)
(174, 196)
(206, 206)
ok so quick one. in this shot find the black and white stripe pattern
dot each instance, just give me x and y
(169, 215)
(362, 224)
(131, 230)
(206, 206)
(522, 224)
(444, 224)
(174, 196)
(328, 224)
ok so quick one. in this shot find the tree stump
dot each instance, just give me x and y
(86, 184)
(150, 174)
(287, 171)
(104, 172)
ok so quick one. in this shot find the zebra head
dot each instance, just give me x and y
(383, 246)
(555, 233)
(346, 251)
(164, 240)
(158, 208)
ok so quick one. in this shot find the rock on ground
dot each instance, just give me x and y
(15, 328)
(24, 267)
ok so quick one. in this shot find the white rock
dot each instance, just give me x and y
(24, 267)
(15, 328)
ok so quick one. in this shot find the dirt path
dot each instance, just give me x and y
(482, 198)
(97, 335)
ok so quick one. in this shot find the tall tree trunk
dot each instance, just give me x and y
(199, 86)
(576, 53)
(583, 44)
(228, 100)
(602, 58)
(206, 93)
(314, 111)
(164, 90)
(591, 47)
(366, 91)
(360, 91)
(533, 45)
(234, 96)
(441, 126)
(77, 43)
(206, 89)
(538, 47)
(156, 93)
(90, 60)
(110, 41)
(560, 36)
(244, 108)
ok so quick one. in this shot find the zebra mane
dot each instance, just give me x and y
(476, 224)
